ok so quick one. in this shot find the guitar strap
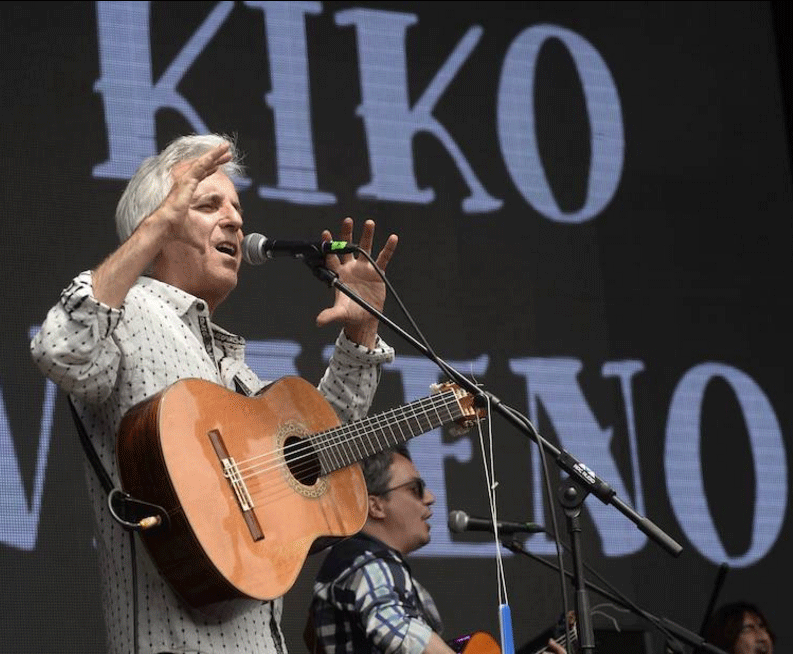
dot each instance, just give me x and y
(241, 388)
(126, 510)
(119, 503)
(90, 452)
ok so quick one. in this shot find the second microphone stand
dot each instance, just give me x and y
(581, 482)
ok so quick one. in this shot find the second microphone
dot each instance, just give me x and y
(460, 521)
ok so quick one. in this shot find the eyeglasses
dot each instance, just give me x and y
(417, 486)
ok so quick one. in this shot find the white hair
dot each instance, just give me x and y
(152, 182)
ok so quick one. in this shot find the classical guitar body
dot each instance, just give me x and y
(251, 485)
(211, 551)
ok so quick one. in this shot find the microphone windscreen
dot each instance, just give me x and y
(252, 250)
(458, 521)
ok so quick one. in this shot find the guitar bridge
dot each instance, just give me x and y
(232, 473)
(237, 483)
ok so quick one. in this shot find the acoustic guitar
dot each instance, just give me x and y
(481, 642)
(252, 485)
(557, 633)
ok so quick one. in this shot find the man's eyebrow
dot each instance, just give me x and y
(207, 195)
(214, 196)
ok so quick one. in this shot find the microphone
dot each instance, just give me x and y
(257, 248)
(460, 521)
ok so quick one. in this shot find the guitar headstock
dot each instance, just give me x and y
(471, 414)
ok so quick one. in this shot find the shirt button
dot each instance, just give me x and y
(200, 306)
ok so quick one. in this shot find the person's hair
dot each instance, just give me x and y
(152, 182)
(376, 469)
(724, 626)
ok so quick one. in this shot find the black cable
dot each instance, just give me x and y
(554, 521)
(393, 292)
(135, 642)
(613, 593)
(538, 439)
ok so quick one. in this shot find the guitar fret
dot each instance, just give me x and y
(382, 430)
(401, 437)
(353, 442)
(438, 415)
(347, 450)
(434, 414)
(380, 436)
(370, 446)
(399, 421)
(402, 425)
(384, 440)
(423, 421)
(387, 435)
(360, 445)
(414, 419)
(337, 460)
(322, 454)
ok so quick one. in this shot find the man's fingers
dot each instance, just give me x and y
(346, 235)
(387, 252)
(367, 236)
(365, 242)
(346, 230)
(208, 163)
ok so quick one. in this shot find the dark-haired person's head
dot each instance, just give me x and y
(399, 501)
(740, 628)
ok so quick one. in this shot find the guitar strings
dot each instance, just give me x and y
(333, 438)
(330, 441)
(561, 640)
(358, 426)
(341, 435)
(261, 486)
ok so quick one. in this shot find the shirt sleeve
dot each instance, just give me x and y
(74, 347)
(385, 602)
(352, 376)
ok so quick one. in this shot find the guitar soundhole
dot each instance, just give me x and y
(302, 460)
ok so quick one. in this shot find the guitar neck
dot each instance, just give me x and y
(540, 644)
(342, 446)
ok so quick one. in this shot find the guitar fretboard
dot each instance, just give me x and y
(342, 446)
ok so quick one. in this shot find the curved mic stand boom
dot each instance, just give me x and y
(574, 490)
(673, 631)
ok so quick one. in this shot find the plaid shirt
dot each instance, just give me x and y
(365, 600)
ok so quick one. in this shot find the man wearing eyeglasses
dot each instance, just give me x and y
(365, 598)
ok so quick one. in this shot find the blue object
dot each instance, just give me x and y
(505, 626)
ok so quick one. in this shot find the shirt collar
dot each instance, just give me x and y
(179, 300)
(182, 302)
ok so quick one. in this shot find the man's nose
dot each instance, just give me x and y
(231, 216)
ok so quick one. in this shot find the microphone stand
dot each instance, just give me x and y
(666, 625)
(581, 482)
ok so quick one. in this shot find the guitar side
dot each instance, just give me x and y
(171, 453)
(479, 642)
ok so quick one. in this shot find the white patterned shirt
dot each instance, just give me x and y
(109, 360)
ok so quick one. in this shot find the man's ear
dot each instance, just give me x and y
(376, 509)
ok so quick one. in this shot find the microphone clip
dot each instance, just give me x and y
(320, 270)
